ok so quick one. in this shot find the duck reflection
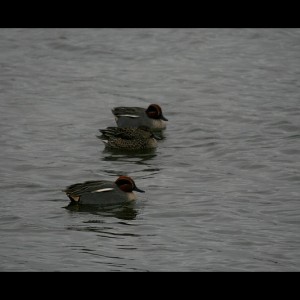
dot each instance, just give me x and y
(121, 211)
(115, 155)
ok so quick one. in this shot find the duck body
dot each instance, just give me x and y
(151, 117)
(140, 138)
(101, 192)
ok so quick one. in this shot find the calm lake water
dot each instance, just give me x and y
(223, 186)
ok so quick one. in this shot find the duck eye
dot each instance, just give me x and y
(126, 187)
(152, 113)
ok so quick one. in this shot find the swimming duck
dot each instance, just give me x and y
(129, 138)
(103, 191)
(151, 117)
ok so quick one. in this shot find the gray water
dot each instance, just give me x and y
(223, 186)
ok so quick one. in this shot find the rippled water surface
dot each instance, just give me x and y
(223, 186)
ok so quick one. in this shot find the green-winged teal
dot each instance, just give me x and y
(103, 191)
(151, 117)
(140, 138)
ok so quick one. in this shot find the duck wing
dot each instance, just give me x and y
(126, 133)
(79, 189)
(131, 112)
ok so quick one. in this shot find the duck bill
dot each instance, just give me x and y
(138, 190)
(163, 118)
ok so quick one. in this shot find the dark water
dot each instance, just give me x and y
(223, 187)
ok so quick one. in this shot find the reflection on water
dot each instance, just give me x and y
(121, 211)
(113, 155)
(138, 158)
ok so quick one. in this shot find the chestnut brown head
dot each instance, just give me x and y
(154, 112)
(126, 184)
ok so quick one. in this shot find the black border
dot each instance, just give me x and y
(125, 14)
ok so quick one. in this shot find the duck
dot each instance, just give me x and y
(101, 192)
(151, 117)
(140, 138)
